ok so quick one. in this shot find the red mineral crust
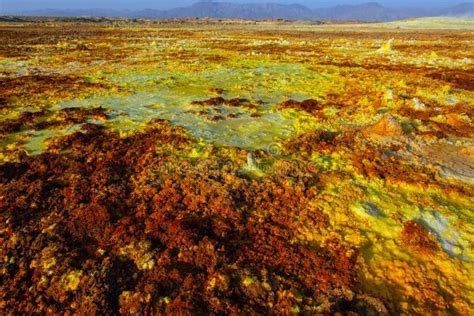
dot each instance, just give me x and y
(415, 236)
(43, 119)
(104, 224)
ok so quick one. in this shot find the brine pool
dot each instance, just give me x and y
(160, 93)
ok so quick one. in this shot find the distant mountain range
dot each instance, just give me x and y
(371, 11)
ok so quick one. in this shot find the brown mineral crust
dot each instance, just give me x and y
(3, 103)
(79, 115)
(39, 120)
(104, 224)
(372, 163)
(417, 238)
(317, 141)
(451, 125)
(91, 128)
(25, 119)
(27, 86)
(310, 106)
(212, 101)
(238, 102)
(230, 102)
(217, 118)
(458, 78)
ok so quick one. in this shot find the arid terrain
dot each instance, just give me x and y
(228, 167)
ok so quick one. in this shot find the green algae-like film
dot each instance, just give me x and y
(199, 166)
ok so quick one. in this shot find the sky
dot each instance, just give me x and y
(18, 5)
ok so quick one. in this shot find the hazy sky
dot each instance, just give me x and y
(13, 5)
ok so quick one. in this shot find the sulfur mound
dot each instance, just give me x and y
(387, 128)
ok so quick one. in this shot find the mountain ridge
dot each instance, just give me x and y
(370, 11)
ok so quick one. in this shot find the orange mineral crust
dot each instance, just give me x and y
(236, 167)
